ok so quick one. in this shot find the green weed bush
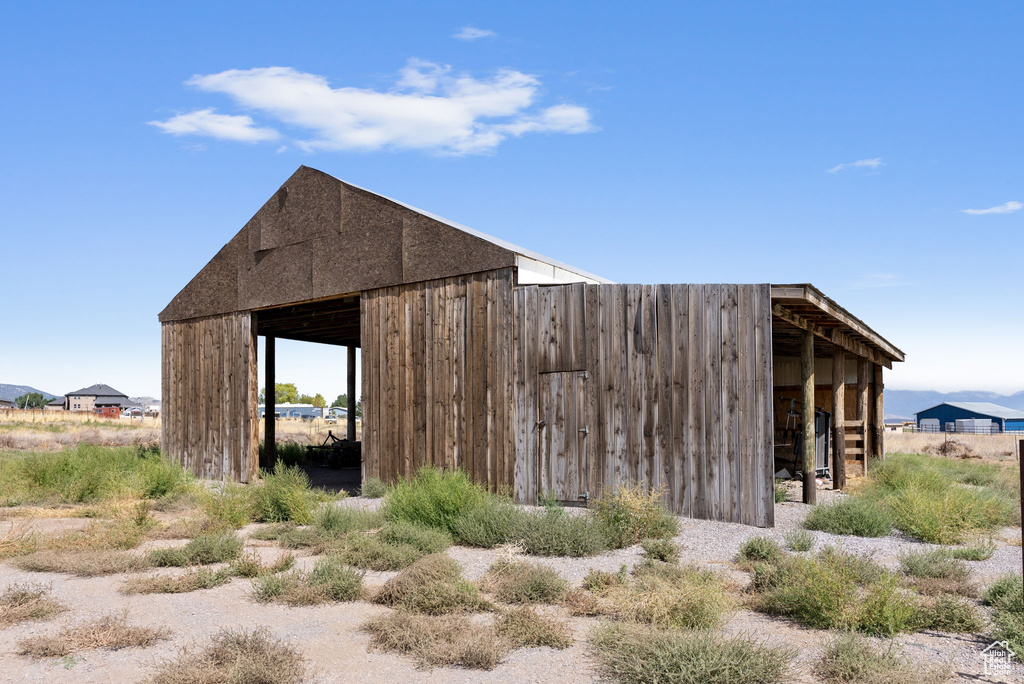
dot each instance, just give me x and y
(1006, 596)
(89, 474)
(524, 582)
(284, 495)
(942, 500)
(663, 550)
(554, 532)
(948, 613)
(636, 654)
(433, 585)
(372, 488)
(800, 541)
(760, 549)
(853, 516)
(203, 550)
(834, 590)
(937, 563)
(335, 521)
(435, 498)
(423, 539)
(851, 658)
(632, 513)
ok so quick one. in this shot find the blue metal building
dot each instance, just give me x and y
(947, 413)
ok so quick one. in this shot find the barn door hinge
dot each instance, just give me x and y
(584, 375)
(585, 429)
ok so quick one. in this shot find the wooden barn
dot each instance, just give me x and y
(535, 377)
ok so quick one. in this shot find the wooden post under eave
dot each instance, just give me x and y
(807, 377)
(878, 422)
(864, 413)
(351, 378)
(838, 418)
(270, 407)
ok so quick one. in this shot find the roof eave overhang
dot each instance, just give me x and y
(807, 307)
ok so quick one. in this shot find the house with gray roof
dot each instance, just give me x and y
(96, 396)
(970, 416)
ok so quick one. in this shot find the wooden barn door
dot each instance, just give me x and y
(562, 435)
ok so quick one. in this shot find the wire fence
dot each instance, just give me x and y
(953, 428)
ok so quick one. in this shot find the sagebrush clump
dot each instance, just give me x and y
(638, 654)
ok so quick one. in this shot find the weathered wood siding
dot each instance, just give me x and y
(666, 385)
(437, 377)
(209, 396)
(678, 394)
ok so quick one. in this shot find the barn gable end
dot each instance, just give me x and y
(319, 237)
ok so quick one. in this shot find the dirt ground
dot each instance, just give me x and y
(337, 650)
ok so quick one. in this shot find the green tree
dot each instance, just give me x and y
(32, 399)
(319, 401)
(284, 393)
(342, 401)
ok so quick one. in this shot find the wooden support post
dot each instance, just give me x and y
(838, 418)
(863, 410)
(350, 376)
(878, 420)
(807, 376)
(270, 407)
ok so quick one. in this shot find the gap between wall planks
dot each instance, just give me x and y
(208, 396)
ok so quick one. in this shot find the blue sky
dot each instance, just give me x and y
(837, 144)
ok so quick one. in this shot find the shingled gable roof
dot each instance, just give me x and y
(98, 390)
(319, 237)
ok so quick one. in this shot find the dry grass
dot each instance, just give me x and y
(438, 640)
(235, 657)
(515, 581)
(19, 540)
(82, 563)
(523, 627)
(329, 580)
(25, 602)
(638, 654)
(193, 580)
(111, 632)
(54, 430)
(188, 528)
(582, 603)
(853, 659)
(669, 596)
(433, 585)
(997, 447)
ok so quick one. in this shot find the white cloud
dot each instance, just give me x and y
(470, 33)
(1007, 208)
(223, 126)
(429, 108)
(859, 164)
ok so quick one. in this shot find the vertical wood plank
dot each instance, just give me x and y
(729, 486)
(838, 417)
(696, 415)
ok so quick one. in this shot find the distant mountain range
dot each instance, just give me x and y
(903, 404)
(12, 392)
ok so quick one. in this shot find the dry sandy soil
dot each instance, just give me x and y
(337, 651)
